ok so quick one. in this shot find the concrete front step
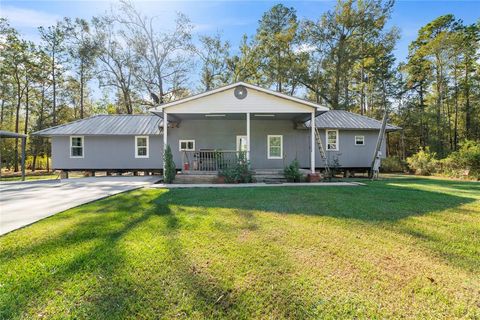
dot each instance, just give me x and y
(268, 171)
(195, 179)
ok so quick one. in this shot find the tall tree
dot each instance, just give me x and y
(245, 66)
(340, 40)
(214, 55)
(118, 62)
(53, 38)
(163, 56)
(277, 39)
(83, 49)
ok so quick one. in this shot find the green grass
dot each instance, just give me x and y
(397, 248)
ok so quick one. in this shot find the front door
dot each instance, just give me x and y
(241, 143)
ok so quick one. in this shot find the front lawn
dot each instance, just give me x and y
(402, 247)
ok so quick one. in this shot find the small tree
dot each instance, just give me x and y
(292, 172)
(170, 171)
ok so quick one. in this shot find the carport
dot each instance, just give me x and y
(14, 135)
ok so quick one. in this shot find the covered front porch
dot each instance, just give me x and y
(240, 122)
(208, 143)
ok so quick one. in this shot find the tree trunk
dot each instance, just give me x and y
(1, 112)
(467, 104)
(54, 84)
(81, 90)
(17, 120)
(27, 107)
(455, 126)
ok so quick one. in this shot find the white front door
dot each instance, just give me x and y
(241, 143)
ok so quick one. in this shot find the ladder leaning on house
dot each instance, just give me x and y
(323, 154)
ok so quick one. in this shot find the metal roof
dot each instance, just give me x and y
(121, 124)
(151, 124)
(9, 134)
(341, 119)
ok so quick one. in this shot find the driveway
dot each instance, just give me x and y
(22, 203)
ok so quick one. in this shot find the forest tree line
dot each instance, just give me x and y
(123, 62)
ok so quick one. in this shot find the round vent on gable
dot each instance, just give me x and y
(240, 92)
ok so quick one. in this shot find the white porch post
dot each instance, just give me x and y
(312, 143)
(165, 126)
(248, 136)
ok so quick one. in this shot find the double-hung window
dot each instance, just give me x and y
(76, 147)
(359, 140)
(141, 147)
(186, 145)
(332, 140)
(275, 147)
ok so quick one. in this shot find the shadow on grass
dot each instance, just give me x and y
(100, 259)
(89, 256)
(101, 226)
(385, 204)
(377, 202)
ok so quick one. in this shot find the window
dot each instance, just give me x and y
(275, 147)
(359, 140)
(332, 140)
(141, 147)
(186, 145)
(76, 147)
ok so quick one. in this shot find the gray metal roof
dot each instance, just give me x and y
(341, 119)
(9, 134)
(121, 124)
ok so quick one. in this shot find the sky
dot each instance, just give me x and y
(231, 18)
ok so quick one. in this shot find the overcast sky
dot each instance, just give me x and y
(232, 18)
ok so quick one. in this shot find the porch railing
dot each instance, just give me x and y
(211, 160)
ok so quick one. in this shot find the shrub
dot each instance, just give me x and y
(237, 173)
(292, 172)
(467, 158)
(423, 162)
(170, 169)
(393, 164)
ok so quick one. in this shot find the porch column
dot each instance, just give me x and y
(312, 143)
(165, 126)
(248, 136)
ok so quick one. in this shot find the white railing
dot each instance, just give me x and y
(210, 160)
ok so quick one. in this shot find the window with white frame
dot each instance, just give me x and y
(359, 140)
(141, 147)
(186, 145)
(76, 147)
(275, 147)
(332, 140)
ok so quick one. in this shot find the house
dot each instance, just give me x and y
(210, 130)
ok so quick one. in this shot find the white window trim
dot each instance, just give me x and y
(363, 141)
(336, 140)
(136, 147)
(187, 141)
(83, 147)
(268, 146)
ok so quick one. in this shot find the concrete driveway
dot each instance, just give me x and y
(22, 203)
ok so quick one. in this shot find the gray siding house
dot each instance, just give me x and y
(269, 128)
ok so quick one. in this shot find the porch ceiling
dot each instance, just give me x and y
(240, 116)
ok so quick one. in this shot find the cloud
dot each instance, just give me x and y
(27, 18)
